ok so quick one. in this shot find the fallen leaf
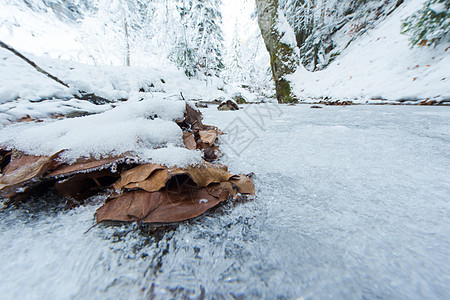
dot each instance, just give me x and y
(189, 140)
(192, 119)
(85, 165)
(205, 174)
(137, 174)
(208, 136)
(159, 207)
(244, 184)
(24, 170)
(151, 177)
(27, 118)
(154, 183)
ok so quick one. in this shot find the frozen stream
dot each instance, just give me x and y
(352, 202)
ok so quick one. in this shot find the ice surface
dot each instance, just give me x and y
(352, 202)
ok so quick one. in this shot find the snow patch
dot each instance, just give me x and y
(136, 127)
(285, 30)
(438, 8)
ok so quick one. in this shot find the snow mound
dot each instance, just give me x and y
(137, 128)
(20, 80)
(381, 65)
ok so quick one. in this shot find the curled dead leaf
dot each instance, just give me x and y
(189, 140)
(244, 184)
(24, 171)
(152, 177)
(192, 119)
(208, 136)
(84, 165)
(137, 174)
(205, 174)
(152, 184)
(170, 195)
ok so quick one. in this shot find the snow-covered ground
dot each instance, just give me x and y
(352, 202)
(380, 66)
(22, 88)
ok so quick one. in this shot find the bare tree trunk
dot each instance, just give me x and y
(283, 57)
(127, 39)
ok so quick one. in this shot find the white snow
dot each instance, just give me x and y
(438, 8)
(18, 79)
(285, 30)
(136, 127)
(41, 33)
(381, 65)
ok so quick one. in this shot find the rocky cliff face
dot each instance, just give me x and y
(279, 39)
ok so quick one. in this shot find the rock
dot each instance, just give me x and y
(316, 106)
(228, 105)
(78, 113)
(239, 99)
(201, 105)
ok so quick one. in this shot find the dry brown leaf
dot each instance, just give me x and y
(159, 207)
(193, 117)
(210, 153)
(216, 189)
(205, 174)
(244, 184)
(24, 170)
(208, 136)
(152, 184)
(210, 127)
(189, 140)
(137, 174)
(202, 175)
(27, 118)
(84, 165)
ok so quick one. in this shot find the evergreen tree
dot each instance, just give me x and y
(234, 67)
(184, 52)
(199, 46)
(209, 39)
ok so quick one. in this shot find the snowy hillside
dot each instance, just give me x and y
(380, 66)
(38, 30)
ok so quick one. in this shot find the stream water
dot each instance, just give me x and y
(352, 202)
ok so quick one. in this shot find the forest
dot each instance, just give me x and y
(224, 149)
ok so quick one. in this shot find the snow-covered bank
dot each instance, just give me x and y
(352, 203)
(20, 80)
(380, 66)
(137, 127)
(22, 87)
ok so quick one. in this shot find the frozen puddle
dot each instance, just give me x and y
(352, 202)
